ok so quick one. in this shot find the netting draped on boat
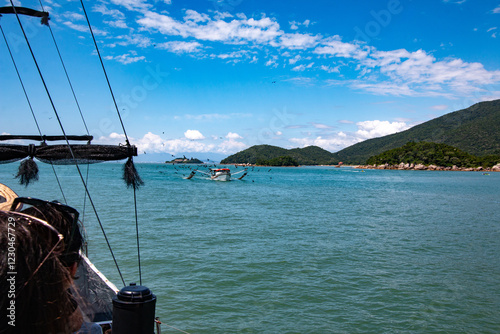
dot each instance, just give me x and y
(96, 290)
(68, 155)
(62, 155)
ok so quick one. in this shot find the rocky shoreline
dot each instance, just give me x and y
(411, 166)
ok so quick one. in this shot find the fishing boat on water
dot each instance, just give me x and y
(131, 309)
(219, 174)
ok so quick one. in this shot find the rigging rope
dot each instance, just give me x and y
(67, 140)
(105, 73)
(130, 173)
(79, 109)
(31, 107)
(66, 72)
(137, 237)
(21, 80)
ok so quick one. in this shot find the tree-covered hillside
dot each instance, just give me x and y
(475, 130)
(311, 155)
(432, 154)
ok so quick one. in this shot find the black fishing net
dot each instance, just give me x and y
(61, 154)
(68, 155)
(96, 291)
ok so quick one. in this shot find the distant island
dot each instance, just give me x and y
(184, 160)
(269, 155)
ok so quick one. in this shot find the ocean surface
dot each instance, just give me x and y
(297, 250)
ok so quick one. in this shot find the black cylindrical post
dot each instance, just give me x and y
(134, 310)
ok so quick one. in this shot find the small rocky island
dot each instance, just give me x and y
(184, 160)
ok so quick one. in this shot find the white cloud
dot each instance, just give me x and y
(425, 74)
(440, 107)
(233, 135)
(393, 72)
(183, 145)
(126, 58)
(333, 46)
(273, 61)
(152, 143)
(497, 10)
(330, 69)
(383, 88)
(83, 28)
(138, 40)
(340, 140)
(117, 24)
(74, 16)
(135, 5)
(118, 20)
(202, 27)
(321, 126)
(490, 96)
(113, 139)
(376, 128)
(232, 55)
(230, 146)
(115, 13)
(193, 135)
(303, 81)
(180, 46)
(294, 25)
(294, 59)
(298, 41)
(302, 67)
(332, 144)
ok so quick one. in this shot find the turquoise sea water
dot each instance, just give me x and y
(299, 250)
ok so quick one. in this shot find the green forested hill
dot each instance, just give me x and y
(311, 155)
(475, 130)
(432, 154)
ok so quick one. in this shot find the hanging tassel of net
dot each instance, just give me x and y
(27, 172)
(28, 169)
(131, 176)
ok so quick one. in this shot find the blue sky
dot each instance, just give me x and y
(218, 76)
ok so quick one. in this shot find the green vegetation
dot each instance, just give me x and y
(277, 156)
(279, 161)
(475, 130)
(432, 154)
